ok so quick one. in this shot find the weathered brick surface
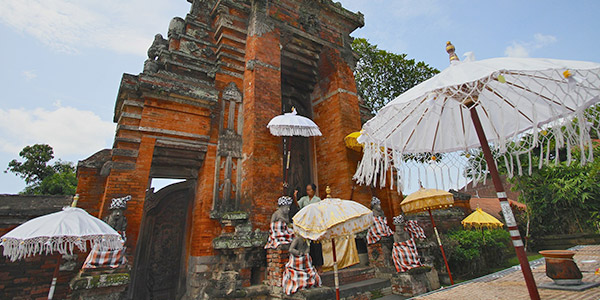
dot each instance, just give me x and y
(261, 165)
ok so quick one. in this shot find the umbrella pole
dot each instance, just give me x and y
(287, 166)
(54, 278)
(335, 271)
(506, 210)
(437, 235)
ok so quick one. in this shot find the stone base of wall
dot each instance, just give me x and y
(414, 282)
(100, 285)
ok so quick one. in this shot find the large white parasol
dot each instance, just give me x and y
(515, 104)
(331, 218)
(60, 232)
(289, 125)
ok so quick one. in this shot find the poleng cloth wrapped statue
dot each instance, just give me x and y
(378, 230)
(299, 271)
(105, 258)
(405, 255)
(280, 234)
(404, 251)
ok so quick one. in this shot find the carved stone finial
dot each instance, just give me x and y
(450, 49)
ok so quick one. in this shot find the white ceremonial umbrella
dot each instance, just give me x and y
(60, 232)
(291, 124)
(515, 104)
(331, 218)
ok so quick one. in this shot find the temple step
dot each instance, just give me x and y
(374, 288)
(348, 275)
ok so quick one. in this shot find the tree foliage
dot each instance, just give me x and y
(42, 178)
(562, 198)
(382, 76)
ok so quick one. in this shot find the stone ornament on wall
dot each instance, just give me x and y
(227, 195)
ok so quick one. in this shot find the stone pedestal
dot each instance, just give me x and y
(380, 255)
(99, 285)
(276, 260)
(416, 281)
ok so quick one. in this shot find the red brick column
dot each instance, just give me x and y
(276, 260)
(131, 182)
(336, 111)
(262, 156)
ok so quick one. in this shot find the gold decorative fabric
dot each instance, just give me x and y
(345, 250)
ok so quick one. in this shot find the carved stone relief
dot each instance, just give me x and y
(229, 152)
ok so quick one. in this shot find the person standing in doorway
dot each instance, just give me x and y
(310, 197)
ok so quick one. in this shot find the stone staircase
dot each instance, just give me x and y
(355, 283)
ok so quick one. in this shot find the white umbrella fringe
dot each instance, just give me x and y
(294, 131)
(17, 249)
(544, 122)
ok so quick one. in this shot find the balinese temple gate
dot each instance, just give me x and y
(198, 112)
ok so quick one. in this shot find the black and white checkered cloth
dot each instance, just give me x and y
(405, 256)
(378, 230)
(279, 234)
(299, 274)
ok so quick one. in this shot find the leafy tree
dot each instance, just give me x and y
(382, 76)
(40, 177)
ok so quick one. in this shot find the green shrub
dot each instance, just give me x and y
(471, 253)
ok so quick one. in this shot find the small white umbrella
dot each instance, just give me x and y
(503, 99)
(331, 218)
(291, 124)
(60, 232)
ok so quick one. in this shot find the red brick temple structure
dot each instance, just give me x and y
(198, 112)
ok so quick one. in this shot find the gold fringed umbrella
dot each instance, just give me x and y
(480, 219)
(426, 200)
(352, 143)
(329, 219)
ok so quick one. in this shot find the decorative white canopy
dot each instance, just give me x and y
(61, 232)
(513, 97)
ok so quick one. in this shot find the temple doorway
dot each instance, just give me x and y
(159, 270)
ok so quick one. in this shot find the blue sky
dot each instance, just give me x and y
(63, 59)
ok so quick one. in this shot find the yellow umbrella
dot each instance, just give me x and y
(331, 218)
(479, 219)
(426, 200)
(352, 143)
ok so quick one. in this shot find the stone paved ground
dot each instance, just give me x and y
(512, 286)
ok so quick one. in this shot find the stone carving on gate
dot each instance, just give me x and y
(226, 196)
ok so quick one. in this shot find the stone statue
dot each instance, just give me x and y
(376, 208)
(117, 219)
(299, 246)
(280, 233)
(158, 45)
(281, 214)
(400, 235)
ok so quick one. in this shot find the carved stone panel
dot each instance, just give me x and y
(226, 190)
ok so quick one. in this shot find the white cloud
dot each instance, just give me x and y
(29, 75)
(70, 131)
(524, 49)
(68, 26)
(516, 50)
